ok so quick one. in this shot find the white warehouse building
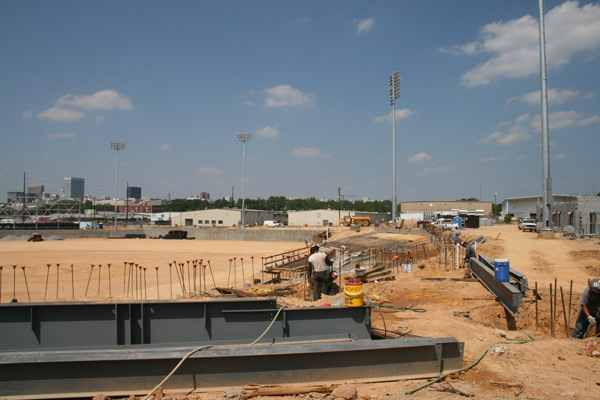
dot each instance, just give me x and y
(223, 217)
(329, 217)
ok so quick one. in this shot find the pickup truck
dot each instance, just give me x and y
(527, 224)
(444, 223)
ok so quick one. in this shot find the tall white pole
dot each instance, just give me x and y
(546, 180)
(116, 146)
(243, 183)
(243, 137)
(116, 184)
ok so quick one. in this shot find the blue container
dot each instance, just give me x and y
(100, 225)
(502, 269)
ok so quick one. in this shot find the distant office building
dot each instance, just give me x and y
(15, 197)
(199, 196)
(73, 189)
(35, 192)
(134, 192)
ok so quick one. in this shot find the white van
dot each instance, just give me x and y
(272, 224)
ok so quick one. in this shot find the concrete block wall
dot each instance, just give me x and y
(262, 235)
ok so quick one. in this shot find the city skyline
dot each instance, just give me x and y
(309, 80)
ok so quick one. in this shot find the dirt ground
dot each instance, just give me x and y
(549, 367)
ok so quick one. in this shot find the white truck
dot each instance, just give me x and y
(527, 224)
(444, 223)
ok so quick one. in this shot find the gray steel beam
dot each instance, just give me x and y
(76, 325)
(75, 373)
(509, 296)
(517, 279)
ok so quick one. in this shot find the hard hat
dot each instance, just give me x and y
(595, 286)
(314, 249)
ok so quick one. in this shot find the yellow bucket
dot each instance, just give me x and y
(353, 294)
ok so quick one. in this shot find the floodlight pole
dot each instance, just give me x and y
(116, 146)
(546, 180)
(394, 82)
(243, 137)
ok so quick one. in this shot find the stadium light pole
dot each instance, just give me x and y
(116, 146)
(394, 82)
(243, 137)
(546, 180)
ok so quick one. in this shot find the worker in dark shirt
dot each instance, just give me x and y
(469, 252)
(588, 314)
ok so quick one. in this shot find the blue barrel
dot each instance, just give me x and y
(100, 225)
(502, 269)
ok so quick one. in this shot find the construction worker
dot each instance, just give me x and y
(319, 264)
(588, 314)
(469, 252)
(456, 234)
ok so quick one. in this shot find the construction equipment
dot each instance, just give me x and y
(35, 237)
(350, 220)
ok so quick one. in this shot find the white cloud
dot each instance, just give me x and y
(594, 119)
(209, 170)
(309, 152)
(365, 25)
(560, 156)
(400, 114)
(555, 96)
(564, 119)
(287, 96)
(99, 119)
(514, 45)
(447, 169)
(57, 113)
(419, 158)
(590, 95)
(516, 133)
(27, 114)
(102, 100)
(469, 49)
(491, 159)
(165, 147)
(269, 131)
(60, 135)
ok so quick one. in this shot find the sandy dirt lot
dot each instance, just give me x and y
(550, 367)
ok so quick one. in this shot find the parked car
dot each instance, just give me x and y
(527, 224)
(444, 223)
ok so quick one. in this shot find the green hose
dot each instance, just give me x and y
(474, 363)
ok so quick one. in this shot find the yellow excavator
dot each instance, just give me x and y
(350, 220)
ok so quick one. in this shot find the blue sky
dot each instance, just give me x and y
(176, 81)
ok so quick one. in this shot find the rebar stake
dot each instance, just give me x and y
(57, 275)
(72, 283)
(109, 283)
(26, 284)
(47, 278)
(99, 277)
(14, 299)
(88, 283)
(157, 289)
